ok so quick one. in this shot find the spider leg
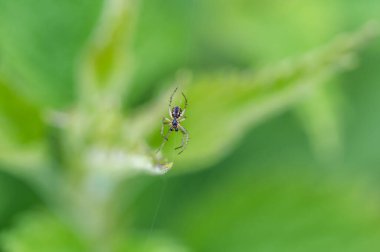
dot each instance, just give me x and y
(170, 102)
(171, 97)
(164, 122)
(185, 139)
(170, 112)
(183, 113)
(185, 102)
(164, 141)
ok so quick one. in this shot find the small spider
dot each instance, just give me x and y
(177, 115)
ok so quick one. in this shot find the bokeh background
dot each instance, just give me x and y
(302, 175)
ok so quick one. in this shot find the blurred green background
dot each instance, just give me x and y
(84, 85)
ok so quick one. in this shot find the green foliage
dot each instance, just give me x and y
(40, 41)
(305, 215)
(80, 113)
(37, 230)
(229, 103)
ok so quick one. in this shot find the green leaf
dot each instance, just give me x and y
(222, 107)
(22, 131)
(105, 67)
(165, 40)
(154, 242)
(285, 209)
(39, 45)
(24, 119)
(41, 232)
(323, 123)
(11, 189)
(263, 32)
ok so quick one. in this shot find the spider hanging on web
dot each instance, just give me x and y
(177, 116)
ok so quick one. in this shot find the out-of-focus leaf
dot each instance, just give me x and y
(361, 132)
(149, 242)
(164, 43)
(23, 118)
(11, 189)
(222, 107)
(323, 123)
(264, 31)
(286, 210)
(39, 44)
(105, 66)
(22, 131)
(93, 132)
(41, 232)
(268, 196)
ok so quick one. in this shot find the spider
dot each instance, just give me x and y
(177, 115)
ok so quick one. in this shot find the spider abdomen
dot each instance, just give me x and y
(176, 112)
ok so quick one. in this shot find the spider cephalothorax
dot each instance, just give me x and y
(177, 115)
